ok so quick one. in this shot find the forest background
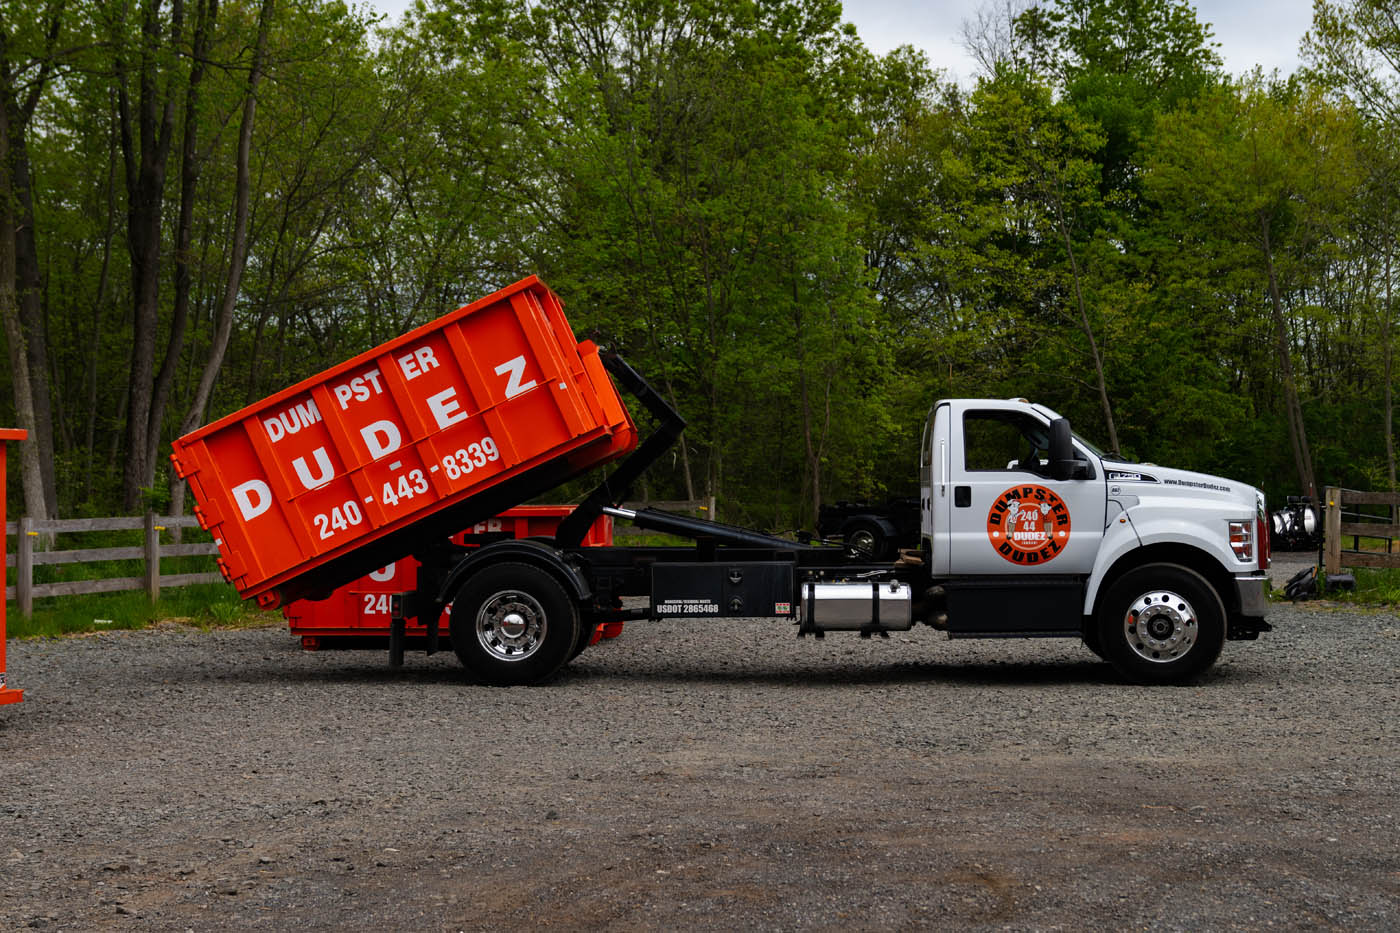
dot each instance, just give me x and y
(802, 244)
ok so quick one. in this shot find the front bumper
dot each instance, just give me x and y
(1251, 604)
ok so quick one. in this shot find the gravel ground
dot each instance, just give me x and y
(700, 775)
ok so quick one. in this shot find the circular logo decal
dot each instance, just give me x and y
(1028, 525)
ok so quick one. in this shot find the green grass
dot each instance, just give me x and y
(651, 540)
(211, 605)
(1373, 588)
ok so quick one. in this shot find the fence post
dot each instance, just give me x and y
(714, 514)
(152, 549)
(24, 566)
(1333, 531)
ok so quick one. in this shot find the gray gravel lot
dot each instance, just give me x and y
(699, 775)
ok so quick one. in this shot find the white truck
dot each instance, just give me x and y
(1027, 531)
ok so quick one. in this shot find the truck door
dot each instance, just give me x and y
(1008, 514)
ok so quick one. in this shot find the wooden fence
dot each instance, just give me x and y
(24, 558)
(1342, 522)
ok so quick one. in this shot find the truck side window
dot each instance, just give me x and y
(1004, 440)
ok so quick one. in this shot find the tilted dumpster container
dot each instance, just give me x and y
(424, 435)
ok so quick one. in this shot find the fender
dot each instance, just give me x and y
(1119, 538)
(521, 551)
(1153, 526)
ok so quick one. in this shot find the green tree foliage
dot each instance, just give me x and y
(1270, 171)
(802, 244)
(1354, 49)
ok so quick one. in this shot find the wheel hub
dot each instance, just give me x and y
(514, 625)
(511, 625)
(1160, 626)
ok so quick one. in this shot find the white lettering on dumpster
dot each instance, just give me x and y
(323, 464)
(516, 369)
(381, 438)
(253, 498)
(358, 389)
(292, 420)
(445, 409)
(417, 363)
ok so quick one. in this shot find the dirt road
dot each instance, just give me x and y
(690, 776)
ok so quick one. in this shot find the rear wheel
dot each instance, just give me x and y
(1161, 624)
(513, 624)
(584, 640)
(866, 540)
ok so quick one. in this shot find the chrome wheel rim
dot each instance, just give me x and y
(511, 625)
(1160, 626)
(863, 542)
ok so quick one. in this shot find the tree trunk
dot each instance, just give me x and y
(19, 276)
(1088, 330)
(145, 184)
(1297, 431)
(223, 325)
(1388, 425)
(98, 306)
(31, 315)
(190, 165)
(31, 472)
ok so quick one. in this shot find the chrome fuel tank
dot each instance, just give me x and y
(851, 607)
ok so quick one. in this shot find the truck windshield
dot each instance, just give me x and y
(1092, 447)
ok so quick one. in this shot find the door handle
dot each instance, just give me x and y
(962, 496)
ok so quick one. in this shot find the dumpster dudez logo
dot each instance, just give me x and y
(1028, 524)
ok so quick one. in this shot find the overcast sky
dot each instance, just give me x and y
(1250, 32)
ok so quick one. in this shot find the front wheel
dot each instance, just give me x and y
(1161, 624)
(513, 624)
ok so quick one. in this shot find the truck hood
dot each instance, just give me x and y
(1149, 479)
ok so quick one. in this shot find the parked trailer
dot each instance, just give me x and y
(1026, 530)
(875, 530)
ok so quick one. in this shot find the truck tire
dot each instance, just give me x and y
(1090, 635)
(513, 624)
(866, 539)
(1161, 624)
(585, 635)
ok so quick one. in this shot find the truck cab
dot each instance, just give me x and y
(1032, 530)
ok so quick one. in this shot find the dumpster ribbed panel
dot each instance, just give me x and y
(498, 390)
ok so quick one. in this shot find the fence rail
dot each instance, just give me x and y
(24, 558)
(1360, 525)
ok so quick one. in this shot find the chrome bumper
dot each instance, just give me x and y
(1252, 596)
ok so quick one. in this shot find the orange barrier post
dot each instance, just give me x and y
(7, 695)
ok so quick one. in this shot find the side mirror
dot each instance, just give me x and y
(1063, 465)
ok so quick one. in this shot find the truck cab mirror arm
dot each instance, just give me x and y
(1063, 463)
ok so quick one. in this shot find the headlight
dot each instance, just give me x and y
(1242, 540)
